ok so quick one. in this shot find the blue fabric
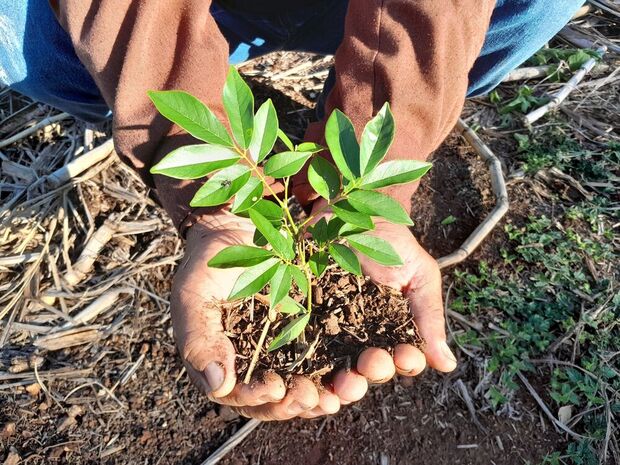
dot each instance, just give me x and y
(37, 59)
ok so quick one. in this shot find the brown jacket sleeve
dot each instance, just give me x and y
(415, 55)
(132, 46)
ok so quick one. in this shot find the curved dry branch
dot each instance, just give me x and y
(564, 92)
(499, 189)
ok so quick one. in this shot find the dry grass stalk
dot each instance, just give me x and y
(43, 124)
(564, 92)
(232, 442)
(69, 338)
(498, 185)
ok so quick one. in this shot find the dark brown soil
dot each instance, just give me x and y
(349, 314)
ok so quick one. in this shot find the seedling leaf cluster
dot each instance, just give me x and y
(239, 163)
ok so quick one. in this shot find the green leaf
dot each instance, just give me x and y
(248, 195)
(346, 258)
(324, 178)
(239, 256)
(342, 143)
(338, 228)
(254, 279)
(395, 172)
(290, 332)
(280, 244)
(378, 204)
(300, 279)
(319, 231)
(192, 115)
(375, 248)
(318, 262)
(265, 131)
(280, 284)
(258, 239)
(309, 147)
(285, 140)
(270, 210)
(221, 186)
(376, 139)
(284, 164)
(239, 106)
(448, 220)
(289, 306)
(346, 212)
(195, 161)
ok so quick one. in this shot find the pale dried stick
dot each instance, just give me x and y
(81, 164)
(29, 131)
(499, 189)
(97, 242)
(564, 92)
(546, 410)
(535, 72)
(232, 442)
(98, 306)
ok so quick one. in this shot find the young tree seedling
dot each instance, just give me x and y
(286, 250)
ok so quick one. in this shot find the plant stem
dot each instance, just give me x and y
(338, 198)
(243, 154)
(257, 351)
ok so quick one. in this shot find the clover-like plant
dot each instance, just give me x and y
(287, 250)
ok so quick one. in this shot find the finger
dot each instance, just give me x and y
(350, 386)
(426, 304)
(376, 365)
(409, 360)
(202, 343)
(301, 396)
(265, 388)
(329, 403)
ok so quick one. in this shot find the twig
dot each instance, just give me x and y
(546, 410)
(470, 404)
(564, 92)
(232, 442)
(534, 72)
(499, 189)
(40, 125)
(257, 351)
(98, 306)
(81, 164)
(607, 6)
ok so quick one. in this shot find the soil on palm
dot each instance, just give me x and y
(349, 314)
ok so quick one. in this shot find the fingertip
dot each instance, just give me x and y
(409, 360)
(329, 403)
(221, 380)
(376, 365)
(350, 386)
(440, 357)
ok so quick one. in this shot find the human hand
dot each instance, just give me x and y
(419, 279)
(208, 355)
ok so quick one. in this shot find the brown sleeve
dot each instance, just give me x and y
(132, 46)
(415, 55)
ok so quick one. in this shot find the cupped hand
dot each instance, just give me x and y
(419, 279)
(198, 292)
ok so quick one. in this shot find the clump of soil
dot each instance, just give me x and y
(349, 314)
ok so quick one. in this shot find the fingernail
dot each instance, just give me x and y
(296, 407)
(215, 375)
(269, 398)
(447, 352)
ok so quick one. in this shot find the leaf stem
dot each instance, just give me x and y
(336, 199)
(243, 154)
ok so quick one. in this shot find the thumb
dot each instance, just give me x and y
(207, 353)
(425, 299)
